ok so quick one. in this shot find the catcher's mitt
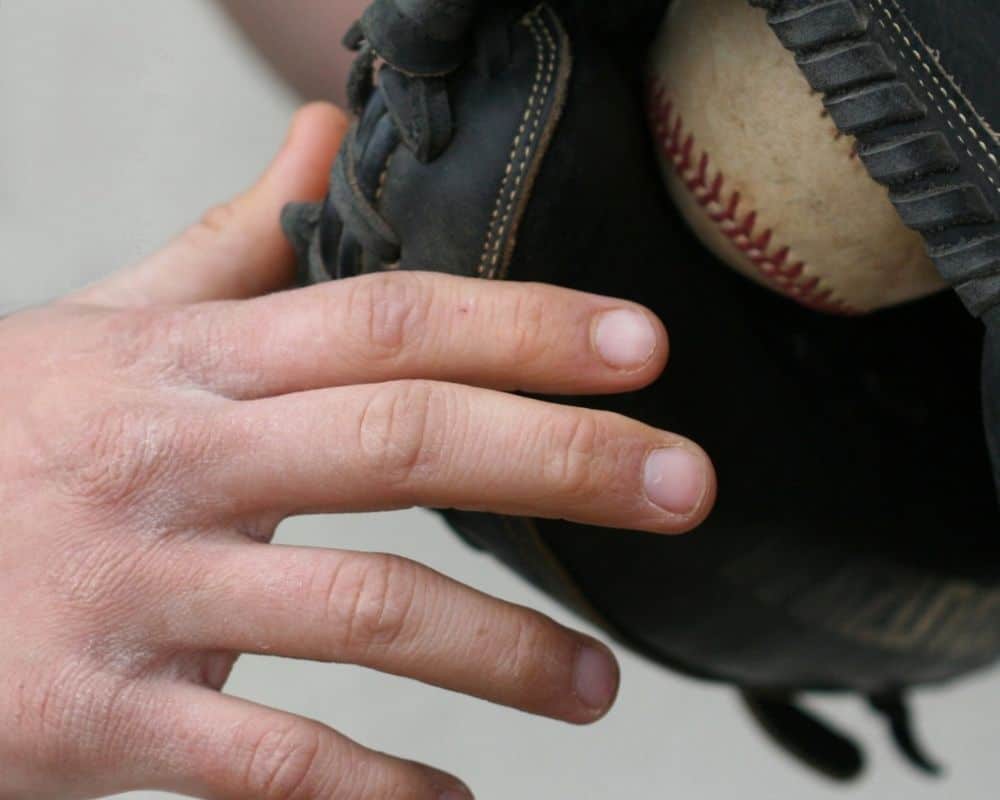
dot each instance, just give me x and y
(855, 544)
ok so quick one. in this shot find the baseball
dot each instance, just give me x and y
(761, 173)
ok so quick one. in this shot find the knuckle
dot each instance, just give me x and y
(173, 341)
(526, 326)
(215, 221)
(69, 709)
(192, 341)
(95, 577)
(522, 659)
(371, 599)
(356, 776)
(573, 442)
(134, 337)
(110, 457)
(401, 430)
(285, 762)
(123, 452)
(388, 309)
(40, 701)
(100, 581)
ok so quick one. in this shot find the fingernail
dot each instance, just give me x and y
(595, 678)
(624, 339)
(457, 794)
(675, 479)
(450, 787)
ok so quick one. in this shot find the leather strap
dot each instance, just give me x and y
(423, 38)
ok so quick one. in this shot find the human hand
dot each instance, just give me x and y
(158, 426)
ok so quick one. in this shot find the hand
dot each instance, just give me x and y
(158, 426)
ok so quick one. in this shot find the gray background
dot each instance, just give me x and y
(121, 122)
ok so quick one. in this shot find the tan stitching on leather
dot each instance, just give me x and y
(524, 143)
(904, 43)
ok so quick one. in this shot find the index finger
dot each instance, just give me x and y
(422, 325)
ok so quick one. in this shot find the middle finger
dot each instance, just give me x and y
(420, 443)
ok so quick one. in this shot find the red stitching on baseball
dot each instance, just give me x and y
(772, 261)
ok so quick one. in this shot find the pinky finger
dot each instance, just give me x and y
(223, 748)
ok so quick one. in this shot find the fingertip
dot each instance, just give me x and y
(661, 355)
(708, 499)
(317, 118)
(446, 786)
(631, 342)
(596, 680)
(301, 168)
(706, 494)
(679, 479)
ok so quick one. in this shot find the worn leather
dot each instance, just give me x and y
(914, 82)
(855, 543)
(420, 37)
(964, 33)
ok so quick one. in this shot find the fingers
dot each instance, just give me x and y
(220, 748)
(238, 249)
(419, 443)
(422, 325)
(395, 616)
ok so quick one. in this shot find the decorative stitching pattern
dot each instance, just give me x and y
(773, 261)
(520, 157)
(966, 197)
(903, 43)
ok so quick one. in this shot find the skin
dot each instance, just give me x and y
(158, 426)
(300, 39)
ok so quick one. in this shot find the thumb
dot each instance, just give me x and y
(238, 249)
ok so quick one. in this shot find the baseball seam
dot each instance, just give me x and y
(773, 261)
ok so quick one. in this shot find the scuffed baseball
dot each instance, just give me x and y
(761, 173)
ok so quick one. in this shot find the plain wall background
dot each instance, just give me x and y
(119, 124)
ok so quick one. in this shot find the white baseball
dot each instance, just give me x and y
(761, 173)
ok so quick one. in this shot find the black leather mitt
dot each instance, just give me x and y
(855, 544)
